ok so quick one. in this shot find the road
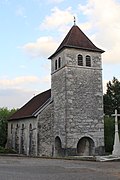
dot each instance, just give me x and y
(19, 168)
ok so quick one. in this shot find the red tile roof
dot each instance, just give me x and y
(77, 39)
(31, 107)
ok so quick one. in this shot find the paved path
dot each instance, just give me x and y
(14, 168)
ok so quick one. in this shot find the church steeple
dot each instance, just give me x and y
(77, 39)
(76, 88)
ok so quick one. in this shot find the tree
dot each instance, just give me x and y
(109, 131)
(111, 102)
(112, 97)
(4, 115)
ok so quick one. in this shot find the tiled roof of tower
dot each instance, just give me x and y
(32, 106)
(77, 39)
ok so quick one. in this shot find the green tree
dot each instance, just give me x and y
(109, 130)
(112, 97)
(5, 113)
(111, 102)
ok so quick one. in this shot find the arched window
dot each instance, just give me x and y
(30, 127)
(80, 60)
(30, 139)
(23, 126)
(56, 64)
(11, 128)
(59, 62)
(88, 61)
(22, 150)
(17, 126)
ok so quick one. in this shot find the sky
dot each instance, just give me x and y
(31, 30)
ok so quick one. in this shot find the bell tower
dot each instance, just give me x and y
(76, 89)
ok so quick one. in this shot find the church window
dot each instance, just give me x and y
(56, 64)
(11, 128)
(88, 61)
(30, 127)
(80, 60)
(59, 62)
(23, 127)
(30, 140)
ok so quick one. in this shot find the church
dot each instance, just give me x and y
(66, 120)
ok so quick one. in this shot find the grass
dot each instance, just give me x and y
(7, 151)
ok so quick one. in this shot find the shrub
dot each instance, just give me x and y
(109, 132)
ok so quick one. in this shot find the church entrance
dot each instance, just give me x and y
(85, 147)
(58, 147)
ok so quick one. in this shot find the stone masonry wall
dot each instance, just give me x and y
(15, 134)
(59, 99)
(84, 107)
(84, 100)
(45, 131)
(78, 99)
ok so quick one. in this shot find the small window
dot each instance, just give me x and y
(80, 60)
(11, 128)
(56, 64)
(30, 127)
(88, 61)
(23, 126)
(17, 126)
(59, 62)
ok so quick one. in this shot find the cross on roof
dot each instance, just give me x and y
(74, 21)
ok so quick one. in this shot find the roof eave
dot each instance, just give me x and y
(76, 47)
(42, 107)
(25, 117)
(34, 114)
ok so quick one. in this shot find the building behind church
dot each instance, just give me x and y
(67, 119)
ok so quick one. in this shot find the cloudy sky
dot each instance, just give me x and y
(31, 30)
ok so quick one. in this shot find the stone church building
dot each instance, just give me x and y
(68, 118)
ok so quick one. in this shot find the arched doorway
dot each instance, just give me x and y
(85, 147)
(58, 147)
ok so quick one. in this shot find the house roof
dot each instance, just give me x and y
(32, 106)
(77, 39)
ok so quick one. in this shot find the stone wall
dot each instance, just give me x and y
(84, 107)
(78, 100)
(19, 136)
(59, 100)
(45, 131)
